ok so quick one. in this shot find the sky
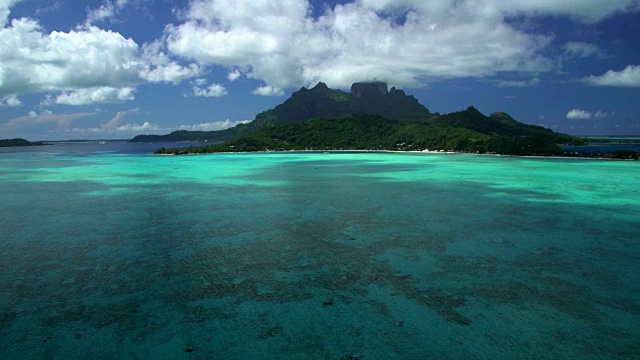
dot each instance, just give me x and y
(112, 69)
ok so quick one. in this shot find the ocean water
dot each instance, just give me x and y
(125, 255)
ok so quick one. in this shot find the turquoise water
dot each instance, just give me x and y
(317, 256)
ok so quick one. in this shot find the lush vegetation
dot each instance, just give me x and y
(307, 104)
(373, 118)
(371, 132)
(18, 142)
(616, 154)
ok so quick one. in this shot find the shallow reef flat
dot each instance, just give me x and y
(318, 256)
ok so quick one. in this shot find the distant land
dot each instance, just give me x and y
(366, 98)
(464, 131)
(371, 117)
(19, 142)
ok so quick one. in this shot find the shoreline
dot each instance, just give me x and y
(402, 152)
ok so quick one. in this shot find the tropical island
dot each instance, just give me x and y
(372, 117)
(19, 142)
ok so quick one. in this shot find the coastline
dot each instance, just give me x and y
(402, 152)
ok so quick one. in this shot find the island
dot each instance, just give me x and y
(494, 134)
(19, 142)
(367, 98)
(372, 117)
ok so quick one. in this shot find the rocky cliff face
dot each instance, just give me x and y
(369, 89)
(374, 98)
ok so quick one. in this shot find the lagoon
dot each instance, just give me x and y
(110, 252)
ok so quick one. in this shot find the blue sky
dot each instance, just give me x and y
(112, 69)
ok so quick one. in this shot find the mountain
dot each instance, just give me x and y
(465, 131)
(365, 98)
(498, 124)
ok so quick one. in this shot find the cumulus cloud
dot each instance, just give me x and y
(136, 127)
(281, 44)
(170, 72)
(628, 77)
(96, 95)
(33, 61)
(234, 75)
(214, 126)
(267, 91)
(159, 67)
(215, 90)
(407, 42)
(5, 10)
(579, 114)
(10, 101)
(87, 64)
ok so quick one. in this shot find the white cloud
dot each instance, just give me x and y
(33, 61)
(234, 75)
(267, 91)
(603, 114)
(148, 126)
(214, 126)
(84, 60)
(107, 10)
(588, 11)
(96, 95)
(519, 83)
(582, 50)
(136, 127)
(45, 9)
(171, 72)
(280, 43)
(5, 10)
(215, 90)
(10, 101)
(283, 46)
(113, 123)
(579, 114)
(126, 128)
(629, 77)
(159, 67)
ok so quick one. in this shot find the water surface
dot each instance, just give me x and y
(112, 254)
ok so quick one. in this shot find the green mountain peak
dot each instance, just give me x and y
(365, 98)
